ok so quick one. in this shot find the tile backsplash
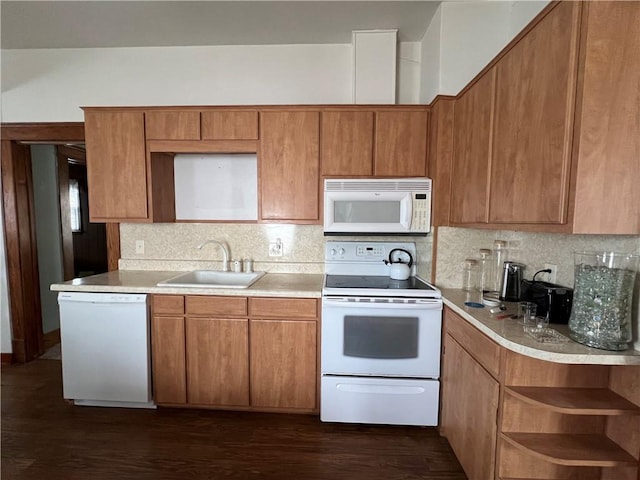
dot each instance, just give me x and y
(172, 246)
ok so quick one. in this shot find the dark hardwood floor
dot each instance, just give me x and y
(44, 437)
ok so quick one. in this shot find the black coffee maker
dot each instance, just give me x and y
(549, 297)
(510, 289)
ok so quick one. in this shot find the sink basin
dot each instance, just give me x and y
(212, 279)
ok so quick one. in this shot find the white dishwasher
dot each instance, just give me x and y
(105, 349)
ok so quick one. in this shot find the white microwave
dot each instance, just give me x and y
(377, 206)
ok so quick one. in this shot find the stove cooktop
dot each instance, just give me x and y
(374, 285)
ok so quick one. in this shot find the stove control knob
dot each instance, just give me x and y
(341, 251)
(333, 252)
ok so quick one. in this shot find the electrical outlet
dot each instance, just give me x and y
(140, 247)
(551, 277)
(275, 248)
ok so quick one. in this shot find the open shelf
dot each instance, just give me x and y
(580, 450)
(576, 401)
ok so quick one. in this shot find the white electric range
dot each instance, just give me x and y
(380, 338)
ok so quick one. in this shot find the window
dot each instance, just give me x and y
(74, 206)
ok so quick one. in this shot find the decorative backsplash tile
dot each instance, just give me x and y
(173, 246)
(531, 249)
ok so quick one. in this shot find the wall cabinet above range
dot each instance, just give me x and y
(390, 142)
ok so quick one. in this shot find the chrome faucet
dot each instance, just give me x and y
(225, 252)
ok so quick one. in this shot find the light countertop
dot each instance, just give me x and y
(509, 333)
(145, 281)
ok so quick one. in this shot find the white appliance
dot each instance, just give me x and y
(378, 206)
(105, 349)
(380, 350)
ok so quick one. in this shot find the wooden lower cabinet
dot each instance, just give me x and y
(283, 364)
(532, 418)
(469, 419)
(217, 361)
(168, 360)
(235, 352)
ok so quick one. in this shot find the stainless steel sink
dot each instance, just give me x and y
(212, 279)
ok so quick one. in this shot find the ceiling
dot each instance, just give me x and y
(95, 24)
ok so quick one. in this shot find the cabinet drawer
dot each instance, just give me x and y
(219, 306)
(172, 125)
(168, 304)
(284, 307)
(485, 351)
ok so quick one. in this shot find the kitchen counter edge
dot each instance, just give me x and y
(303, 285)
(508, 334)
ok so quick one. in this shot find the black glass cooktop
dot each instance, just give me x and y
(379, 282)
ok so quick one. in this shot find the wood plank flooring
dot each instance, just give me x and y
(44, 437)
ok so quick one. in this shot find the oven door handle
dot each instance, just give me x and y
(344, 303)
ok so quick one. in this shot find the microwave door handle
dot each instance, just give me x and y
(407, 213)
(428, 304)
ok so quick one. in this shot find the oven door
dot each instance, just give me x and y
(381, 337)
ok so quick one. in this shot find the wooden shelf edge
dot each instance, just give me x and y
(576, 450)
(576, 401)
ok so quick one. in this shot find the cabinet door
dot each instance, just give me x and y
(469, 411)
(116, 165)
(535, 96)
(283, 364)
(401, 144)
(172, 125)
(346, 143)
(289, 165)
(168, 359)
(217, 361)
(473, 114)
(229, 125)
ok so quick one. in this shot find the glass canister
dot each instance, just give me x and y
(602, 299)
(484, 271)
(469, 275)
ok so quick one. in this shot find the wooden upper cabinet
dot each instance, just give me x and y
(289, 165)
(116, 165)
(172, 125)
(535, 99)
(401, 144)
(229, 125)
(607, 197)
(346, 143)
(473, 114)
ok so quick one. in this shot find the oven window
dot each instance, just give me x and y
(366, 211)
(380, 337)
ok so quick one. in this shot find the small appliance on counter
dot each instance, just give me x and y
(511, 281)
(549, 297)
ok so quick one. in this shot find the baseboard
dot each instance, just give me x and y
(51, 338)
(6, 358)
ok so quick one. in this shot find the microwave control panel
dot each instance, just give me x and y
(421, 215)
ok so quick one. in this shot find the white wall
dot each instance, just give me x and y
(48, 236)
(470, 34)
(49, 85)
(430, 59)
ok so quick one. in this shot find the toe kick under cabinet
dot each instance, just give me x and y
(509, 416)
(233, 352)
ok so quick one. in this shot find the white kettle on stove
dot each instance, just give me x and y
(399, 269)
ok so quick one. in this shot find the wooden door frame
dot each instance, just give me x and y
(26, 333)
